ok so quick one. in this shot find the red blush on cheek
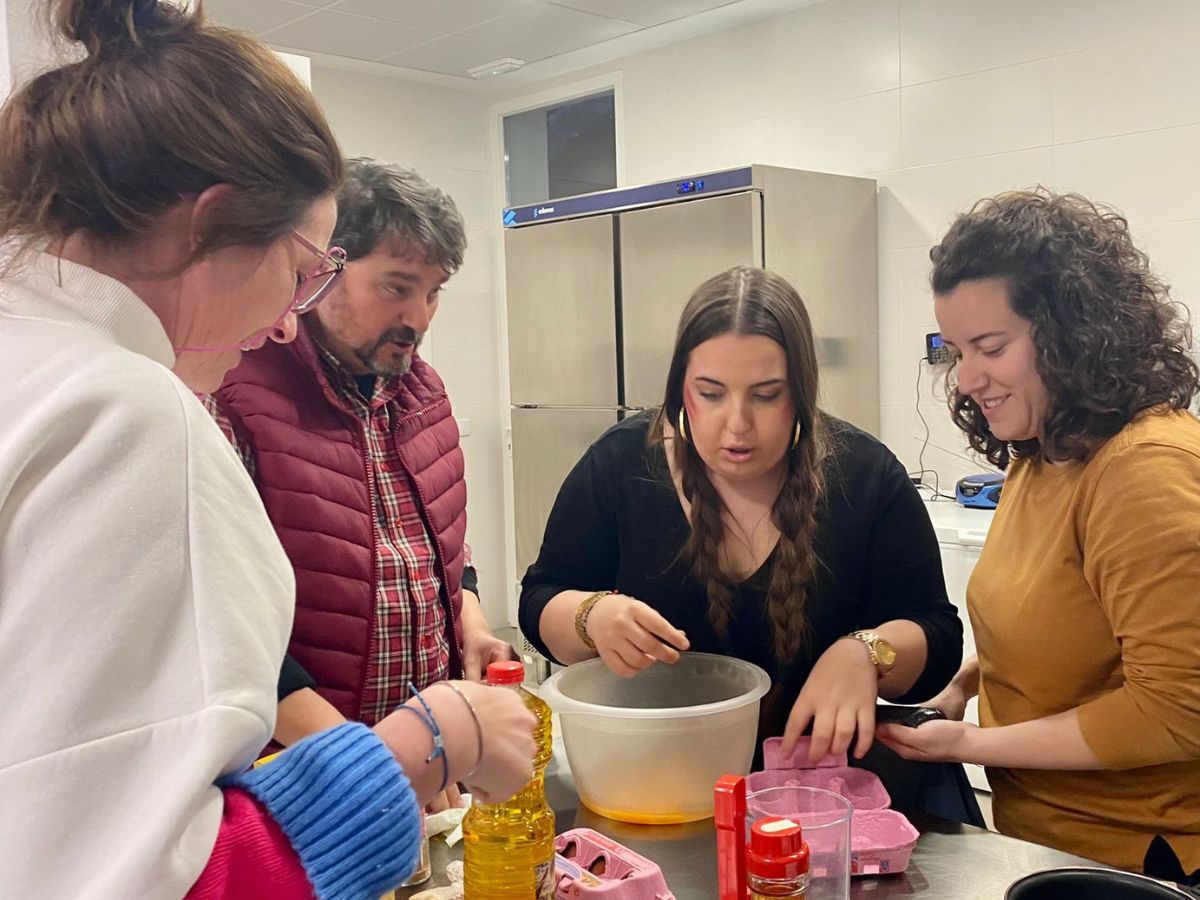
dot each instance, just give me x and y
(689, 402)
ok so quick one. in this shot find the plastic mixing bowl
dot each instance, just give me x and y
(649, 749)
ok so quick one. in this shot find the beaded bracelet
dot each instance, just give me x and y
(439, 748)
(475, 718)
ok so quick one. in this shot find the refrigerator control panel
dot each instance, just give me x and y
(628, 198)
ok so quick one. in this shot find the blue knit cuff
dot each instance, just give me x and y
(347, 809)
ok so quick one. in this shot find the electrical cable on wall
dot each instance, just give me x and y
(918, 477)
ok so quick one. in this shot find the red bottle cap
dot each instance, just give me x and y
(777, 849)
(510, 671)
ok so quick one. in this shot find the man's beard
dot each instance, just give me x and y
(370, 356)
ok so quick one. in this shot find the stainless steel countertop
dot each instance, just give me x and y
(950, 862)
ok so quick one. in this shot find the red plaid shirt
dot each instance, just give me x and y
(410, 622)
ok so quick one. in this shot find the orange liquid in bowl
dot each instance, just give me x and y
(639, 817)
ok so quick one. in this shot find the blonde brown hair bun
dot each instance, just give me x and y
(164, 105)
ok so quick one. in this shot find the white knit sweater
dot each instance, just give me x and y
(145, 602)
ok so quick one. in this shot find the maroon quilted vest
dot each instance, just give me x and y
(315, 477)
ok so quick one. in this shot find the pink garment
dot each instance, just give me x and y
(252, 859)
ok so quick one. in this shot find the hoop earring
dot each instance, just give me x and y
(796, 436)
(683, 432)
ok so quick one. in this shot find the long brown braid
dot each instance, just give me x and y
(751, 301)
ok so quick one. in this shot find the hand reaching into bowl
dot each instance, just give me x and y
(631, 636)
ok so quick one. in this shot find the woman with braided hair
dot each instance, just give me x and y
(740, 519)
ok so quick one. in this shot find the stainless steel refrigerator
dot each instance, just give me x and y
(595, 285)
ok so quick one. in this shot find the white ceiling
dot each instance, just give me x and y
(440, 40)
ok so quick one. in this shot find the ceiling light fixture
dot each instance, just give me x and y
(496, 67)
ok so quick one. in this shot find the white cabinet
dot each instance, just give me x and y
(960, 533)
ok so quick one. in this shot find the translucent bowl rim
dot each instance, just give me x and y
(846, 807)
(564, 705)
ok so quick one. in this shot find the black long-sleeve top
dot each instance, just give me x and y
(618, 524)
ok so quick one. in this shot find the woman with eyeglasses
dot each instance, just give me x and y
(164, 205)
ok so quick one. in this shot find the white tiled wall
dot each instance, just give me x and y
(25, 47)
(443, 135)
(943, 102)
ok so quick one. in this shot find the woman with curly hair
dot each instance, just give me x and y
(1071, 369)
(740, 519)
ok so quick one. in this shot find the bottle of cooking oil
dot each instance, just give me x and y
(508, 848)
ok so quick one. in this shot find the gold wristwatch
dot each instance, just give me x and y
(883, 654)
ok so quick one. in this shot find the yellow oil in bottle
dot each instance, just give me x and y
(508, 848)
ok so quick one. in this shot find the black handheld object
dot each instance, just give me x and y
(911, 716)
(935, 349)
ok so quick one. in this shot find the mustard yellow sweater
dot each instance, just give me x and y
(1087, 594)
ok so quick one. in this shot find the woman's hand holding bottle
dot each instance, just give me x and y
(487, 734)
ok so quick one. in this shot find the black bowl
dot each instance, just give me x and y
(1094, 884)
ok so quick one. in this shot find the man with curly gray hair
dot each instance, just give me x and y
(349, 436)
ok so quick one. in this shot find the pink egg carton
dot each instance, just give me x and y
(588, 864)
(881, 842)
(881, 839)
(863, 789)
